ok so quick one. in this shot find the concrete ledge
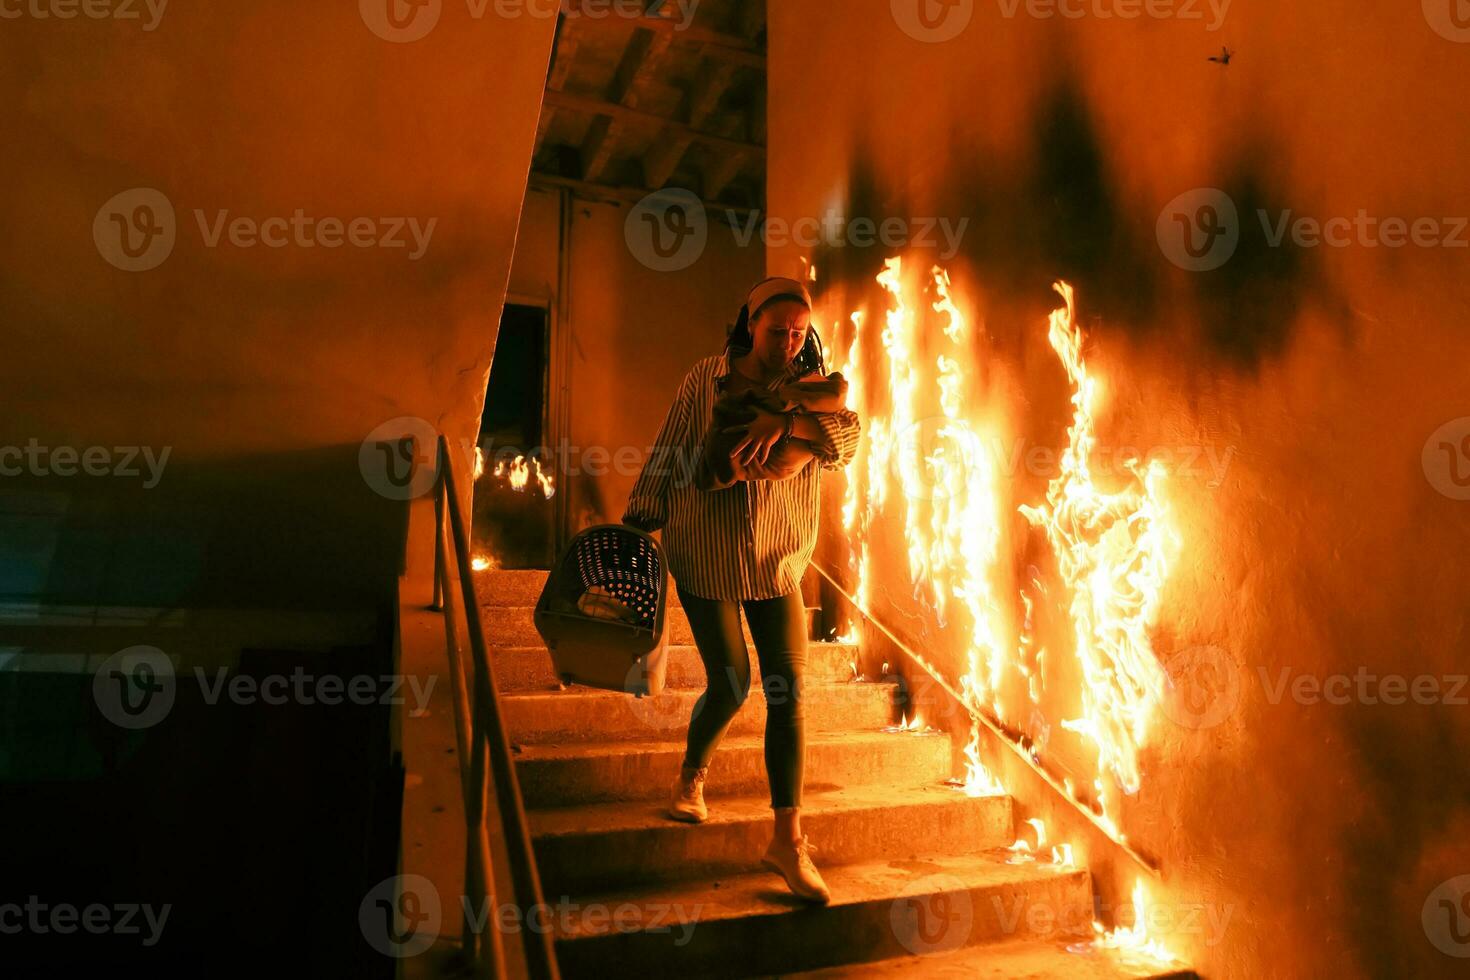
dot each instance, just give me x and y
(601, 846)
(580, 772)
(586, 714)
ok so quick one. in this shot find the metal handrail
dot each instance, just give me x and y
(481, 737)
(1145, 862)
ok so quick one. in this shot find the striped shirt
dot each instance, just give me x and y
(753, 540)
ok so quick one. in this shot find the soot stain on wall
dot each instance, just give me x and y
(1062, 216)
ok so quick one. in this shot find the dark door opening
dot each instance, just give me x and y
(515, 485)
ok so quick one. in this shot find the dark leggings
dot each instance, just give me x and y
(778, 627)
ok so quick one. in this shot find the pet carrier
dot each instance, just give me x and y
(602, 611)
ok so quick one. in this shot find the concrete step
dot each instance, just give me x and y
(589, 715)
(498, 587)
(1011, 961)
(512, 626)
(529, 668)
(601, 846)
(522, 587)
(511, 586)
(749, 924)
(575, 773)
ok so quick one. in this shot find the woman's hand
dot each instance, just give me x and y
(761, 435)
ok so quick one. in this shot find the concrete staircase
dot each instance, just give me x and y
(915, 866)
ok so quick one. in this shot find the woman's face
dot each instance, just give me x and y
(780, 332)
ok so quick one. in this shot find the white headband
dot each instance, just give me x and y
(763, 292)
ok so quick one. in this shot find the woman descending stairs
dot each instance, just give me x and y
(919, 878)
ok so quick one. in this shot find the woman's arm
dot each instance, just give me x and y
(648, 502)
(833, 435)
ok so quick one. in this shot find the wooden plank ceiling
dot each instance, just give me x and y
(668, 99)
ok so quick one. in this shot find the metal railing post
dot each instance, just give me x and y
(439, 532)
(491, 740)
(478, 882)
(488, 742)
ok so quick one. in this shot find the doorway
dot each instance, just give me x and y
(516, 484)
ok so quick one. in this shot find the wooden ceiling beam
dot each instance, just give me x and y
(713, 82)
(631, 195)
(581, 103)
(719, 176)
(722, 44)
(567, 40)
(642, 56)
(663, 158)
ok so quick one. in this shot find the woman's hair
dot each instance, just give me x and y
(740, 337)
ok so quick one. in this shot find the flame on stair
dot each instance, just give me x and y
(1133, 939)
(907, 727)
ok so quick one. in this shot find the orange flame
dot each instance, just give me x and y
(519, 473)
(1112, 551)
(924, 435)
(1135, 938)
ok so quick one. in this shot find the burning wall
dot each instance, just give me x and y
(1213, 638)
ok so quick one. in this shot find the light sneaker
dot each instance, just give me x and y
(793, 862)
(686, 801)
